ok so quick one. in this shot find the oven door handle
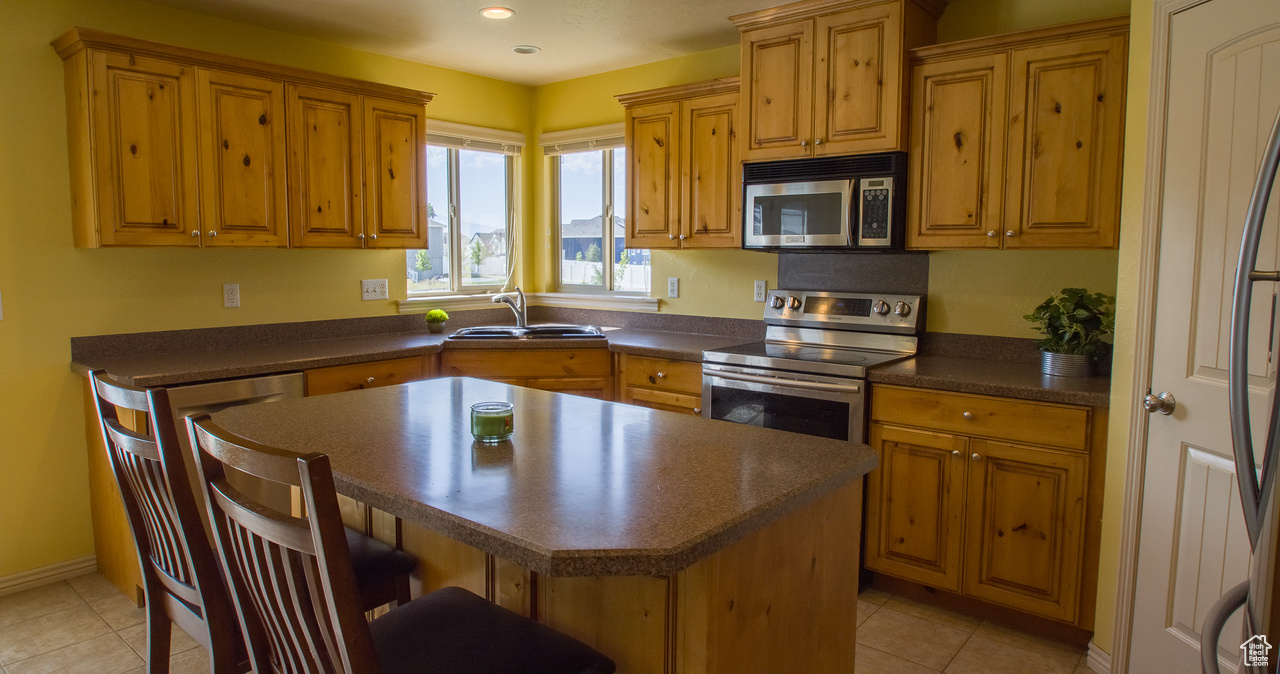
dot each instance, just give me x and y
(792, 383)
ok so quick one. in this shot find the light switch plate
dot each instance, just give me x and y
(761, 291)
(673, 287)
(230, 295)
(373, 289)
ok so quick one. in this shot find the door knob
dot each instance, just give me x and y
(1163, 403)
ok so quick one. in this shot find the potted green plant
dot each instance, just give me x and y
(436, 319)
(1078, 327)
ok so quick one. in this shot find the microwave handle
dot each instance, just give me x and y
(792, 383)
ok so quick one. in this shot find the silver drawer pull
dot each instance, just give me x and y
(697, 410)
(662, 375)
(968, 415)
(370, 380)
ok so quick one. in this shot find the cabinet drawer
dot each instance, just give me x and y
(363, 375)
(671, 375)
(1022, 421)
(521, 363)
(663, 400)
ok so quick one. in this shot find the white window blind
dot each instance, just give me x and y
(603, 137)
(466, 137)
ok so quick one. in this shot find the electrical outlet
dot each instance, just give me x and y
(762, 289)
(673, 287)
(373, 289)
(230, 295)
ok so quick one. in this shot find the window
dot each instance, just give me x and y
(470, 215)
(590, 179)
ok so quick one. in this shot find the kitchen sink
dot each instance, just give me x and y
(531, 332)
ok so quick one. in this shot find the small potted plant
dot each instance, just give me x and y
(1078, 327)
(436, 319)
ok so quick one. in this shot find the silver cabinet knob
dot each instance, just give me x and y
(817, 141)
(662, 375)
(902, 309)
(360, 235)
(671, 236)
(195, 232)
(804, 143)
(955, 452)
(1009, 232)
(370, 380)
(1163, 403)
(373, 236)
(968, 415)
(697, 410)
(991, 233)
(682, 237)
(976, 456)
(212, 233)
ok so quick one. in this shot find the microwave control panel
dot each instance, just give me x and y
(875, 212)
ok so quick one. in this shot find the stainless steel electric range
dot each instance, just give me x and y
(809, 375)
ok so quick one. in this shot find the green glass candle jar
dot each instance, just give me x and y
(492, 422)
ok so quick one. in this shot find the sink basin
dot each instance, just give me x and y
(531, 332)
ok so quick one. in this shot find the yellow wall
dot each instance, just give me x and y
(52, 291)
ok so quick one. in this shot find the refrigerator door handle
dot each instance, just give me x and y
(1214, 622)
(1254, 491)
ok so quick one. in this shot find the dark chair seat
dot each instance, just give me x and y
(453, 630)
(371, 557)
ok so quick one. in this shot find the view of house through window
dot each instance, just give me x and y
(468, 222)
(592, 208)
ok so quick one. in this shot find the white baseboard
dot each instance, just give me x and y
(47, 575)
(1099, 660)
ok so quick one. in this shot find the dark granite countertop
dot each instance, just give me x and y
(995, 378)
(670, 345)
(584, 488)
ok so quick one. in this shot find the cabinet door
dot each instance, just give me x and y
(1065, 143)
(653, 176)
(395, 155)
(1025, 527)
(326, 168)
(858, 80)
(957, 146)
(660, 399)
(777, 90)
(915, 506)
(711, 173)
(600, 388)
(144, 127)
(242, 162)
(365, 375)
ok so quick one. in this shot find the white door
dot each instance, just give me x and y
(1223, 82)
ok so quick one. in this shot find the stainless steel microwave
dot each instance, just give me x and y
(829, 203)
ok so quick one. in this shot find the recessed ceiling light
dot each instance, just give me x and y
(497, 12)
(526, 49)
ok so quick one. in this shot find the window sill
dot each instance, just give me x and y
(421, 305)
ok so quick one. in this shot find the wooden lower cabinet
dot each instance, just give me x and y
(660, 384)
(993, 518)
(370, 375)
(585, 372)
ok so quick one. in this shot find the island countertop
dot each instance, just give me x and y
(584, 488)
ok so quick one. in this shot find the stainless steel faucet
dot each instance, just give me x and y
(518, 307)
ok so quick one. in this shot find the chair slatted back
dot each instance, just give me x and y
(292, 580)
(179, 569)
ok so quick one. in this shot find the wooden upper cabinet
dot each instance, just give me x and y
(1025, 522)
(395, 174)
(778, 65)
(957, 145)
(710, 173)
(139, 116)
(653, 175)
(684, 173)
(326, 168)
(1066, 139)
(187, 148)
(242, 160)
(1018, 140)
(829, 78)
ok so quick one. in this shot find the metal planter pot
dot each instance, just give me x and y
(435, 327)
(1065, 364)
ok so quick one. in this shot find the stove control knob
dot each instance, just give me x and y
(881, 307)
(777, 302)
(794, 303)
(902, 309)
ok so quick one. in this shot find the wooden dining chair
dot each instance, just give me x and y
(293, 585)
(182, 579)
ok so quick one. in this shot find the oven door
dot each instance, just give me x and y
(830, 407)
(798, 215)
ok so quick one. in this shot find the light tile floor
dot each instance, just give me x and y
(901, 636)
(86, 625)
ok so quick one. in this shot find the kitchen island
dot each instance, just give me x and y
(671, 543)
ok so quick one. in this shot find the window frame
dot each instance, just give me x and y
(608, 250)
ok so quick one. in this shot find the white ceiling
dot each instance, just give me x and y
(577, 37)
